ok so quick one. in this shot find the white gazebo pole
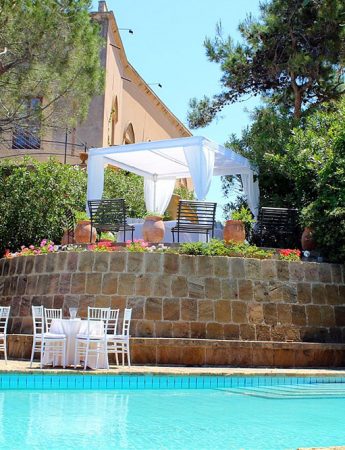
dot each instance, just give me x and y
(154, 192)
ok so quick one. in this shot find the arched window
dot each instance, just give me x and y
(114, 117)
(129, 136)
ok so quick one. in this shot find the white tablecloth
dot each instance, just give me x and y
(70, 328)
(168, 237)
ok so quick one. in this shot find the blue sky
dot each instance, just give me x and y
(167, 47)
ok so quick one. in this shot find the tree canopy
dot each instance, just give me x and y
(293, 54)
(266, 137)
(49, 50)
(314, 162)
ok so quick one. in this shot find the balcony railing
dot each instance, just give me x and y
(19, 142)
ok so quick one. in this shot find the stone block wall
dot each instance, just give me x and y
(177, 296)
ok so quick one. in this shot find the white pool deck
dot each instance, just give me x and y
(24, 367)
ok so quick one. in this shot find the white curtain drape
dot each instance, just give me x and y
(158, 193)
(95, 178)
(201, 165)
(251, 190)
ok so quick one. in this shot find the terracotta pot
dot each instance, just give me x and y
(234, 231)
(307, 240)
(153, 229)
(83, 157)
(82, 233)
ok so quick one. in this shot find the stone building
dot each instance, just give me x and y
(128, 111)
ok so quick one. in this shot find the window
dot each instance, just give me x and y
(28, 136)
(129, 136)
(114, 119)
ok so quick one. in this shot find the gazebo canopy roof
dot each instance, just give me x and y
(161, 162)
(166, 159)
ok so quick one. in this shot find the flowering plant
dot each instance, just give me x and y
(138, 245)
(102, 246)
(45, 247)
(157, 248)
(289, 254)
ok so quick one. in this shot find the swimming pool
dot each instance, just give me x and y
(170, 412)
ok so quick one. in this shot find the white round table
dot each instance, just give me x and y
(70, 328)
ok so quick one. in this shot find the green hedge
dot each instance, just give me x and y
(34, 197)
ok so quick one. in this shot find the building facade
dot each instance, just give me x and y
(127, 112)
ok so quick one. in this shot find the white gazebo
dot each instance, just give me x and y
(162, 162)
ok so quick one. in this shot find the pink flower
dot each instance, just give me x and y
(32, 247)
(43, 243)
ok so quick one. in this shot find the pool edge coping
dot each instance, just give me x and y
(20, 367)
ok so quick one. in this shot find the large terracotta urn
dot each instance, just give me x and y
(234, 231)
(82, 233)
(153, 229)
(307, 240)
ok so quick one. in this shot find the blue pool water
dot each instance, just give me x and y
(236, 414)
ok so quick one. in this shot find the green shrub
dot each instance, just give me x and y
(220, 248)
(122, 184)
(326, 214)
(33, 200)
(184, 193)
(315, 160)
(81, 216)
(34, 197)
(192, 248)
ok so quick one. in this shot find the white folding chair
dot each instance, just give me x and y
(50, 315)
(44, 341)
(119, 343)
(38, 326)
(4, 315)
(112, 323)
(94, 342)
(54, 344)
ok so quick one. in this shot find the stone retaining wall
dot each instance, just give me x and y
(210, 352)
(175, 296)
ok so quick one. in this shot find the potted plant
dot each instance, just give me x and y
(83, 157)
(307, 239)
(239, 226)
(82, 232)
(153, 228)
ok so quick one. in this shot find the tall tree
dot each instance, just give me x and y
(293, 54)
(49, 50)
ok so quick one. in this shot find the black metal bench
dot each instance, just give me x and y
(109, 215)
(277, 228)
(195, 217)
